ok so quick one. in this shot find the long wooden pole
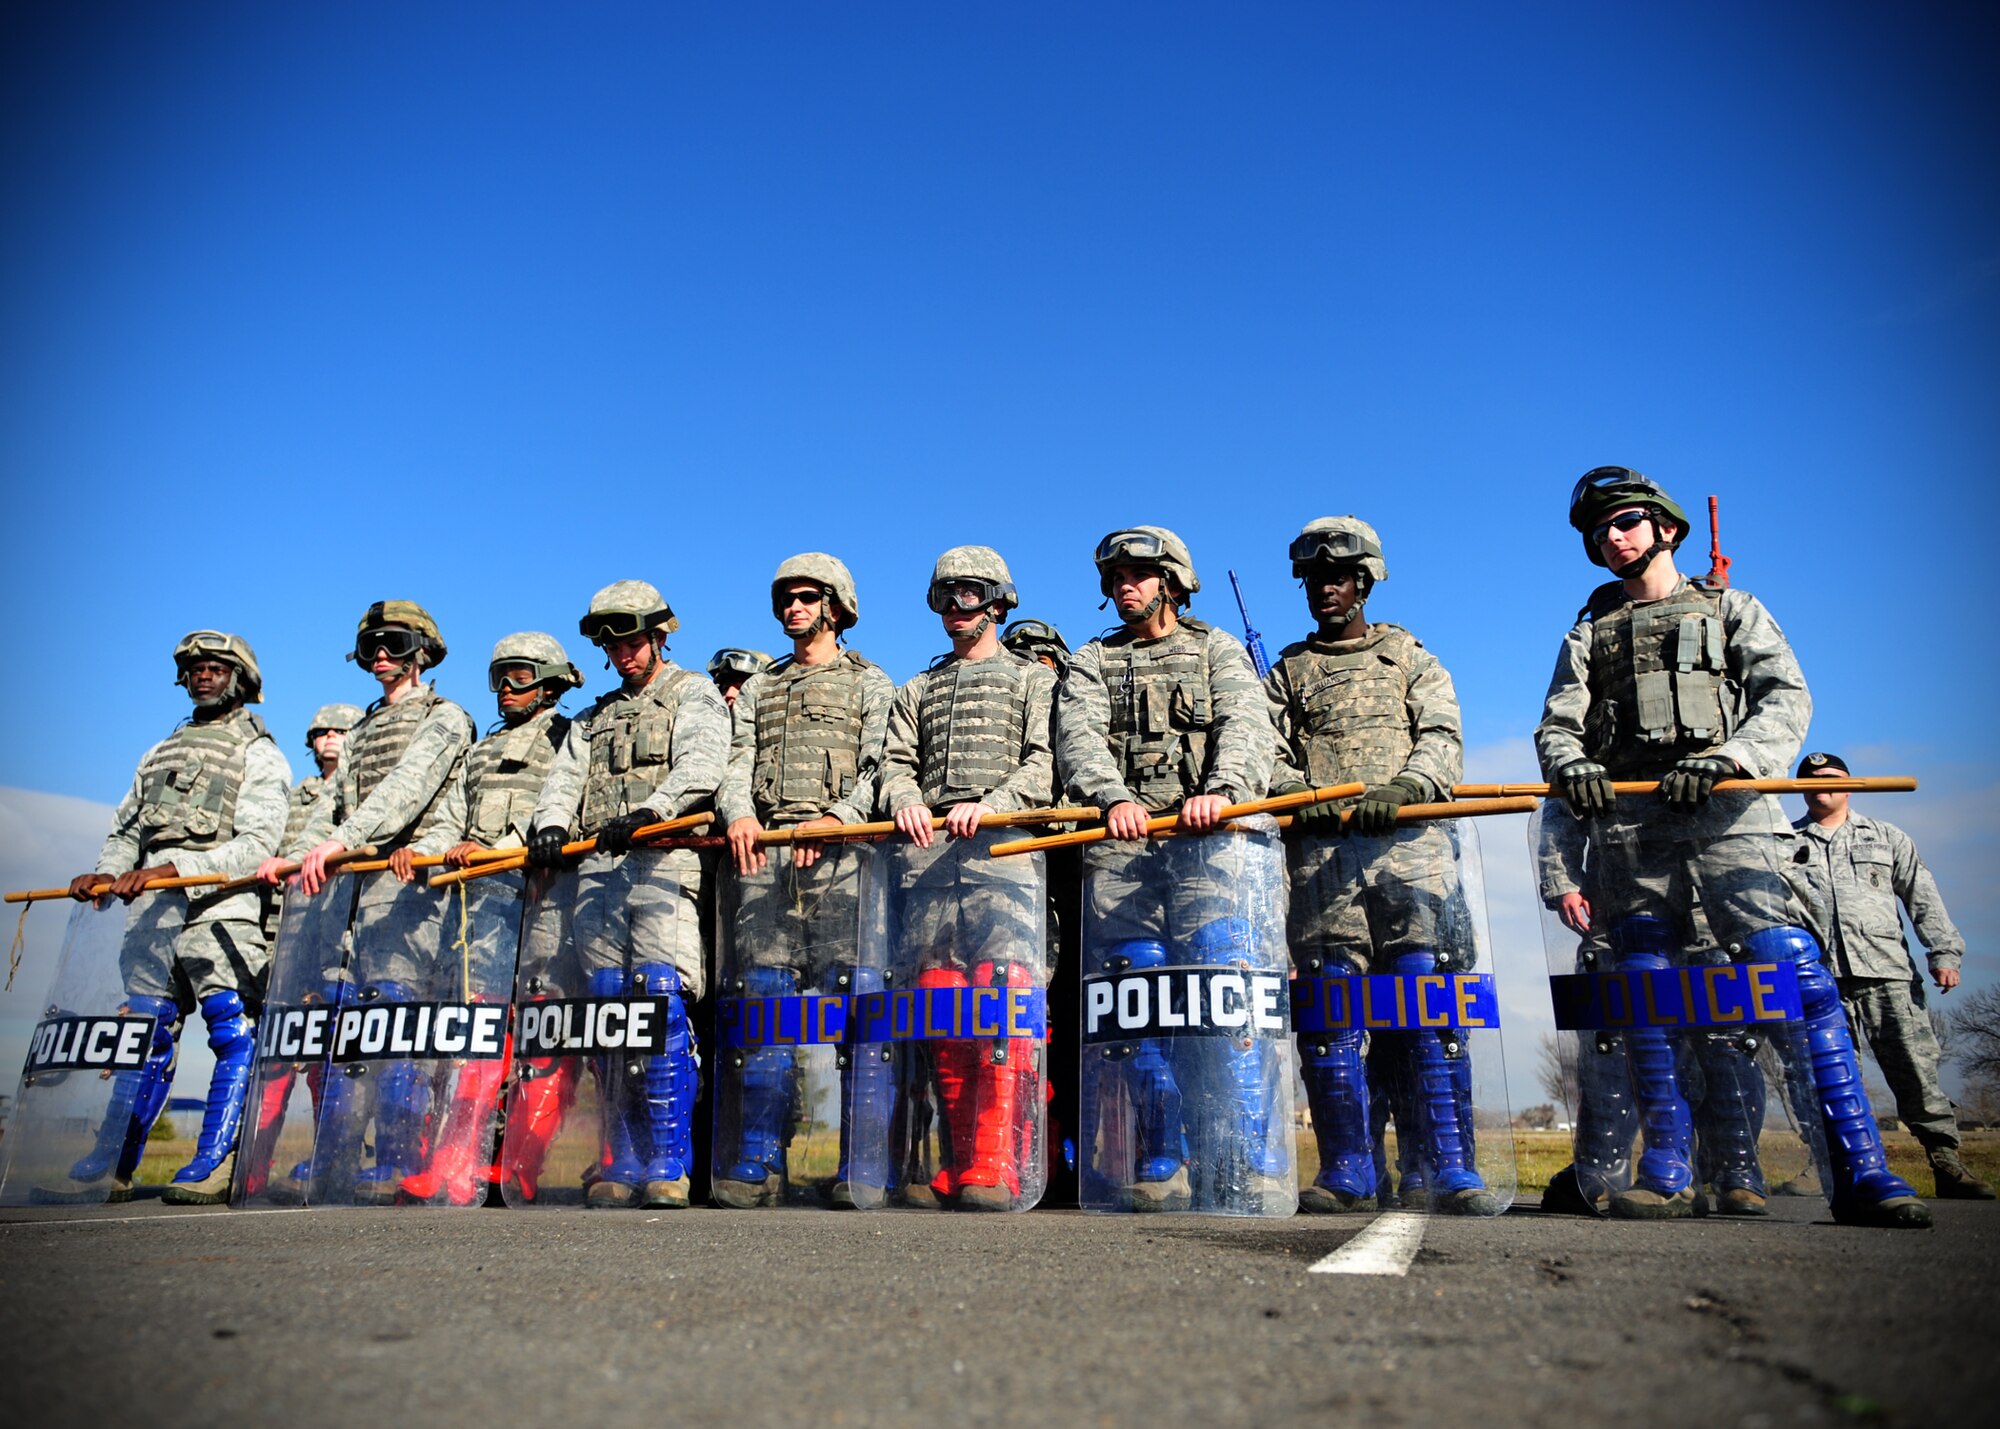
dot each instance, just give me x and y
(1411, 813)
(43, 895)
(1277, 803)
(1873, 784)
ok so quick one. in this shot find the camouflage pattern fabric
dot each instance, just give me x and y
(1889, 1014)
(500, 780)
(971, 731)
(1860, 869)
(1372, 709)
(807, 741)
(394, 771)
(671, 736)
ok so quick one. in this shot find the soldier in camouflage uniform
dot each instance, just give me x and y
(488, 807)
(647, 752)
(1662, 678)
(208, 799)
(325, 737)
(1038, 640)
(805, 753)
(729, 667)
(1163, 714)
(970, 737)
(1364, 701)
(396, 774)
(1860, 867)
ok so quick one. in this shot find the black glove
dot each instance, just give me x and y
(1586, 788)
(1687, 785)
(545, 847)
(1375, 815)
(614, 836)
(1313, 818)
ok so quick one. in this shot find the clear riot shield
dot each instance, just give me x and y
(1185, 1088)
(947, 1035)
(100, 1059)
(789, 960)
(1398, 1022)
(1670, 1100)
(601, 1113)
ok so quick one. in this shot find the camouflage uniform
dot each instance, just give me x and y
(305, 795)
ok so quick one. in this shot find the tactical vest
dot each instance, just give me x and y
(808, 737)
(376, 746)
(970, 724)
(504, 774)
(631, 745)
(1659, 678)
(189, 781)
(1351, 713)
(1161, 712)
(309, 792)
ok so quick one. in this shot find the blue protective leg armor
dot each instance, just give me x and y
(1607, 1121)
(402, 1099)
(232, 1037)
(1447, 1149)
(867, 1092)
(1730, 1117)
(620, 1162)
(136, 1098)
(1160, 1144)
(1337, 1091)
(1644, 944)
(765, 1090)
(1861, 1178)
(1241, 1079)
(670, 1080)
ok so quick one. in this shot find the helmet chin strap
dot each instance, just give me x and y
(1636, 567)
(1140, 617)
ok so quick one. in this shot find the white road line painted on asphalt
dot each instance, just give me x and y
(1385, 1248)
(200, 1215)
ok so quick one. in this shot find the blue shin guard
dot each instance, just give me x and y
(1731, 1115)
(1159, 1149)
(867, 1095)
(1337, 1091)
(136, 1098)
(764, 1092)
(1443, 1125)
(232, 1037)
(1239, 1076)
(402, 1100)
(619, 1161)
(1646, 944)
(670, 1080)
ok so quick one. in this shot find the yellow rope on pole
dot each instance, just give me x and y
(20, 948)
(464, 945)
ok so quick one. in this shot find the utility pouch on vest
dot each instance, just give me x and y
(1655, 693)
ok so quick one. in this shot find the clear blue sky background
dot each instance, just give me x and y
(488, 305)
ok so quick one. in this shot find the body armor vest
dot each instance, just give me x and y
(309, 792)
(808, 738)
(631, 747)
(1161, 712)
(970, 724)
(1351, 715)
(375, 747)
(504, 774)
(188, 783)
(1659, 678)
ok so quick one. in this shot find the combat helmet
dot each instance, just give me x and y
(623, 609)
(1604, 489)
(734, 662)
(337, 716)
(539, 652)
(828, 573)
(233, 651)
(1339, 541)
(1148, 546)
(1036, 638)
(979, 567)
(383, 626)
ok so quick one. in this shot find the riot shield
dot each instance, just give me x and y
(1398, 1021)
(1185, 1089)
(100, 1060)
(602, 1107)
(945, 1061)
(789, 960)
(1670, 1100)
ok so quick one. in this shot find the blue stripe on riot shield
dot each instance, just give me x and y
(1394, 1002)
(803, 1020)
(1713, 995)
(919, 1014)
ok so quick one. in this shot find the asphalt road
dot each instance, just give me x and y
(145, 1316)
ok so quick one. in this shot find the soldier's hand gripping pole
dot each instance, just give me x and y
(1013, 819)
(1874, 784)
(511, 859)
(1408, 814)
(1277, 803)
(339, 860)
(44, 895)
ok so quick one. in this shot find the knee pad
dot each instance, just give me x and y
(388, 990)
(768, 982)
(1223, 941)
(657, 979)
(607, 982)
(1133, 955)
(1818, 993)
(1642, 936)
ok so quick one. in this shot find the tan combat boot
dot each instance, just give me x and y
(1954, 1182)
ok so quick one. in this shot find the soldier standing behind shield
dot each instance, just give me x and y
(208, 799)
(1364, 701)
(1666, 679)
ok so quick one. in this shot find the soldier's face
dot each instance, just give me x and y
(1833, 801)
(206, 680)
(513, 702)
(798, 607)
(1331, 592)
(1625, 539)
(730, 690)
(327, 745)
(630, 655)
(1133, 588)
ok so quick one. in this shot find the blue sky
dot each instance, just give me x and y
(490, 305)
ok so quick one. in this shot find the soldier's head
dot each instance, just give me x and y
(630, 622)
(813, 592)
(1038, 640)
(1338, 559)
(1141, 568)
(218, 671)
(1832, 804)
(1625, 520)
(327, 734)
(730, 666)
(396, 640)
(971, 589)
(529, 672)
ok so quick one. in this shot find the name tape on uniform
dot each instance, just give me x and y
(1185, 1002)
(1714, 995)
(898, 1015)
(383, 1032)
(74, 1044)
(1394, 1002)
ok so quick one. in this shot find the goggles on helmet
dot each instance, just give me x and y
(205, 645)
(1331, 548)
(398, 642)
(1038, 630)
(1131, 548)
(497, 680)
(967, 594)
(1607, 479)
(733, 662)
(603, 625)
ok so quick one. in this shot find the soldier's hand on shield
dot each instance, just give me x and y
(615, 836)
(1687, 785)
(403, 865)
(1125, 821)
(545, 847)
(1574, 910)
(961, 821)
(312, 868)
(743, 847)
(1203, 812)
(85, 887)
(915, 820)
(459, 855)
(1375, 815)
(805, 855)
(1586, 788)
